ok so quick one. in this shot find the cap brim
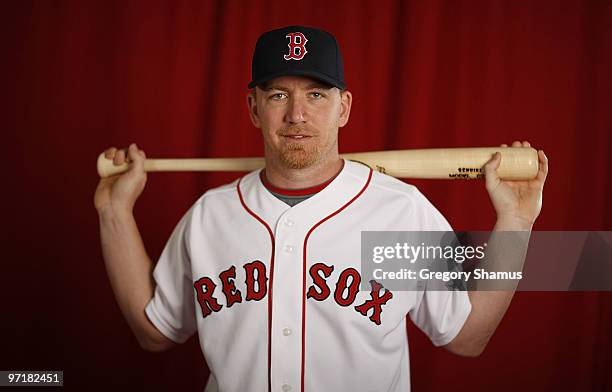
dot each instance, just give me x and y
(299, 72)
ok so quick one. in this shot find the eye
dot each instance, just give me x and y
(316, 95)
(278, 96)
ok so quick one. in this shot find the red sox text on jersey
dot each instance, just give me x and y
(256, 282)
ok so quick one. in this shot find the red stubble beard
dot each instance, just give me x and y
(299, 156)
(298, 153)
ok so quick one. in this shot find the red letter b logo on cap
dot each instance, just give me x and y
(297, 46)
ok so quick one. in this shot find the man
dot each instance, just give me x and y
(266, 269)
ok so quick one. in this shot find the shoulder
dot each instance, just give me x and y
(383, 184)
(218, 194)
(221, 197)
(216, 204)
(386, 191)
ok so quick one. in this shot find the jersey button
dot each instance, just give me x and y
(286, 331)
(289, 248)
(286, 387)
(289, 223)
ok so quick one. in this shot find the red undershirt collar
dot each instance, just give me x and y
(296, 192)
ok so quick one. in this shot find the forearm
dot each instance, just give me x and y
(490, 299)
(130, 270)
(506, 251)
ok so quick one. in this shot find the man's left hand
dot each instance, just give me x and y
(516, 202)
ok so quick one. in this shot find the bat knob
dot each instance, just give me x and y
(107, 168)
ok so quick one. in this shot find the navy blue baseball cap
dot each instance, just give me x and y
(297, 51)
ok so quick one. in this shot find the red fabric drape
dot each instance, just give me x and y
(81, 76)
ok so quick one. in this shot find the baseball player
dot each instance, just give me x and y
(266, 269)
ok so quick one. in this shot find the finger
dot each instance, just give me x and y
(490, 169)
(110, 153)
(119, 157)
(504, 145)
(132, 152)
(543, 166)
(137, 157)
(526, 144)
(129, 154)
(516, 143)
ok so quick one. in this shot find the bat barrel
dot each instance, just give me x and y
(517, 163)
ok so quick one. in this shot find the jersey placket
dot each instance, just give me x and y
(287, 301)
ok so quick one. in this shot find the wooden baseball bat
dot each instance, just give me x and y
(518, 163)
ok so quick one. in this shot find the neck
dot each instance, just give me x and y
(288, 178)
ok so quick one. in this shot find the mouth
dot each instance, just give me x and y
(296, 137)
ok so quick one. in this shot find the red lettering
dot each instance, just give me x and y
(297, 46)
(375, 302)
(319, 281)
(352, 289)
(256, 294)
(205, 288)
(229, 288)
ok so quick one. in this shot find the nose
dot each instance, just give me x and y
(296, 111)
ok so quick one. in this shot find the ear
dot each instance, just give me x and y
(252, 105)
(346, 99)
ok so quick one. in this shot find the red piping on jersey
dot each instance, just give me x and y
(304, 271)
(406, 329)
(254, 215)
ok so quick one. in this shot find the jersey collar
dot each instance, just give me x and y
(348, 183)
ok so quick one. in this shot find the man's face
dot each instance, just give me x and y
(299, 118)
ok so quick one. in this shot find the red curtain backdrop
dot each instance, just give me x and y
(80, 76)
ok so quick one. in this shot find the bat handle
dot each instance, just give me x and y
(107, 168)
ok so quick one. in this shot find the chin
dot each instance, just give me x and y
(299, 158)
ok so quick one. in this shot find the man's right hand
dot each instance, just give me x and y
(129, 268)
(120, 192)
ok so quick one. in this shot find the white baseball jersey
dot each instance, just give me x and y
(273, 291)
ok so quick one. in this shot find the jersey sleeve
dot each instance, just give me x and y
(440, 314)
(172, 308)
